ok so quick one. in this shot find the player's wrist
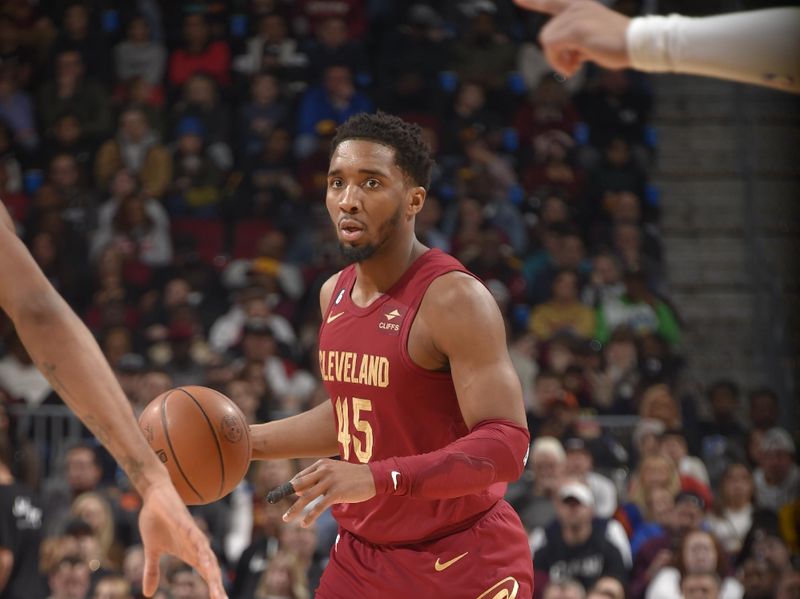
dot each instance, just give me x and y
(388, 478)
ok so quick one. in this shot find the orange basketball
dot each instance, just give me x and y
(202, 438)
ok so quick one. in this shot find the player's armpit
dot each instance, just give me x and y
(494, 451)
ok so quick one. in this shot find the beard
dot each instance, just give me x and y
(355, 254)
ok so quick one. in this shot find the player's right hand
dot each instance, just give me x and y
(581, 30)
(167, 527)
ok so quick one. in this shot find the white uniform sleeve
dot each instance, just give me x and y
(760, 47)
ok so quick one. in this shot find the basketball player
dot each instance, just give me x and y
(425, 408)
(761, 47)
(68, 356)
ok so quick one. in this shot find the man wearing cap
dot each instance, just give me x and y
(579, 465)
(578, 545)
(777, 478)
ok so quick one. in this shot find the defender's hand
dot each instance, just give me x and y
(335, 482)
(581, 30)
(167, 527)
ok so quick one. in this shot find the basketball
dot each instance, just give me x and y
(202, 438)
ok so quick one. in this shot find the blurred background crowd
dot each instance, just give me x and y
(166, 164)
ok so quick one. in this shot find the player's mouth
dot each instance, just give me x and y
(350, 230)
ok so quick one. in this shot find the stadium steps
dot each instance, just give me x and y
(699, 172)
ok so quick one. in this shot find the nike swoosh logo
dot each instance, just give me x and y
(395, 476)
(332, 317)
(440, 567)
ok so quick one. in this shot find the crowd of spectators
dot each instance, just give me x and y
(166, 164)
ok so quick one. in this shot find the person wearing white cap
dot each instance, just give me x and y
(777, 478)
(578, 545)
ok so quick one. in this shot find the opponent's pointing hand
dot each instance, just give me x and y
(581, 30)
(332, 480)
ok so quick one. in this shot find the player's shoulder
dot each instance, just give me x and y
(458, 295)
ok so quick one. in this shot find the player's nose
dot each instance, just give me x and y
(349, 200)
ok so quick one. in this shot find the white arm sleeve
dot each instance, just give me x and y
(761, 46)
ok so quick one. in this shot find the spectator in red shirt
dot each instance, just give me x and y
(199, 53)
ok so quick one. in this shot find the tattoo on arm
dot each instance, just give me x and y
(131, 465)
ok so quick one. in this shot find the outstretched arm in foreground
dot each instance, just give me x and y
(67, 354)
(761, 47)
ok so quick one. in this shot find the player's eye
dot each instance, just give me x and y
(372, 183)
(335, 183)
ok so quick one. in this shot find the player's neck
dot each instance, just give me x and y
(378, 273)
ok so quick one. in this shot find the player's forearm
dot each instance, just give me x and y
(761, 47)
(494, 451)
(311, 434)
(69, 357)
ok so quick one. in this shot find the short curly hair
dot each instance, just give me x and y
(412, 153)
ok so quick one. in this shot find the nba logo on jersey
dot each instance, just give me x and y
(339, 297)
(390, 320)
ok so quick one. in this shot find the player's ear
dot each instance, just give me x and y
(416, 200)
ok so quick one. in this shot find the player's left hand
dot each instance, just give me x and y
(332, 480)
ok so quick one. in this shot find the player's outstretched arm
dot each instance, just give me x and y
(67, 354)
(761, 47)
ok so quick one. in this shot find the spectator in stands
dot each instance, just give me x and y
(140, 228)
(565, 588)
(579, 466)
(186, 583)
(613, 387)
(112, 587)
(332, 45)
(552, 170)
(95, 510)
(183, 337)
(135, 147)
(308, 15)
(724, 426)
(72, 91)
(82, 472)
(19, 376)
(133, 568)
(537, 495)
(265, 111)
(565, 251)
(672, 443)
(301, 542)
(733, 508)
(698, 553)
(199, 53)
(579, 545)
(613, 107)
(467, 116)
(547, 107)
(701, 585)
(564, 312)
(605, 281)
(196, 179)
(763, 408)
(659, 507)
(200, 100)
(777, 478)
(616, 184)
(483, 52)
(607, 588)
(759, 578)
(272, 49)
(16, 109)
(67, 137)
(639, 309)
(335, 99)
(77, 34)
(76, 200)
(20, 532)
(69, 578)
(284, 577)
(139, 55)
(654, 471)
(656, 402)
(659, 552)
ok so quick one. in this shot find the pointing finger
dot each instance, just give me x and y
(551, 7)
